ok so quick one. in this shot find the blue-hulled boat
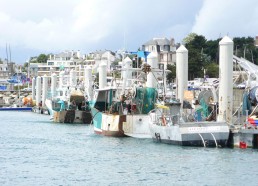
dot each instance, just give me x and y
(16, 109)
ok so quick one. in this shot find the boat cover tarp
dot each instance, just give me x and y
(145, 99)
(246, 103)
(142, 54)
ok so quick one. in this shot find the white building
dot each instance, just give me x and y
(106, 56)
(66, 61)
(7, 69)
(165, 49)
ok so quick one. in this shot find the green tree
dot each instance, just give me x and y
(42, 58)
(244, 47)
(25, 67)
(212, 70)
(203, 54)
(195, 64)
(196, 57)
(190, 37)
(172, 74)
(212, 50)
(26, 64)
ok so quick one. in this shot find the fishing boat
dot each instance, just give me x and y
(170, 123)
(16, 109)
(63, 111)
(121, 109)
(67, 103)
(167, 125)
(127, 116)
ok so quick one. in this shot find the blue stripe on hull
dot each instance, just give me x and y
(97, 118)
(17, 109)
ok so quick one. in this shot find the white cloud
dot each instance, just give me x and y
(88, 22)
(236, 18)
(53, 26)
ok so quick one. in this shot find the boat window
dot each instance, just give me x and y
(175, 119)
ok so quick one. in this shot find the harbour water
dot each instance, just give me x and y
(35, 151)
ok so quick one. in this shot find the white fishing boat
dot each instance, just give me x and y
(167, 125)
(122, 108)
(127, 116)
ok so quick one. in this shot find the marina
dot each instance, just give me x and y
(127, 118)
(133, 106)
(128, 93)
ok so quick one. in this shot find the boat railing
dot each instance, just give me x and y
(162, 119)
(238, 115)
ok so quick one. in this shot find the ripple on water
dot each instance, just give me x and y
(33, 150)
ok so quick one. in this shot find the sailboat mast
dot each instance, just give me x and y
(10, 54)
(6, 53)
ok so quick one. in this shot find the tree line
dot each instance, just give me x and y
(42, 58)
(203, 55)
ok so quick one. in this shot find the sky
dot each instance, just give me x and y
(32, 27)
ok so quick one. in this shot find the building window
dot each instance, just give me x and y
(152, 48)
(170, 57)
(166, 48)
(50, 63)
(161, 57)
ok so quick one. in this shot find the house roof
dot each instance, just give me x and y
(101, 52)
(158, 41)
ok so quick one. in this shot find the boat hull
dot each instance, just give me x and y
(115, 125)
(108, 124)
(204, 134)
(137, 126)
(16, 109)
(72, 116)
(69, 116)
